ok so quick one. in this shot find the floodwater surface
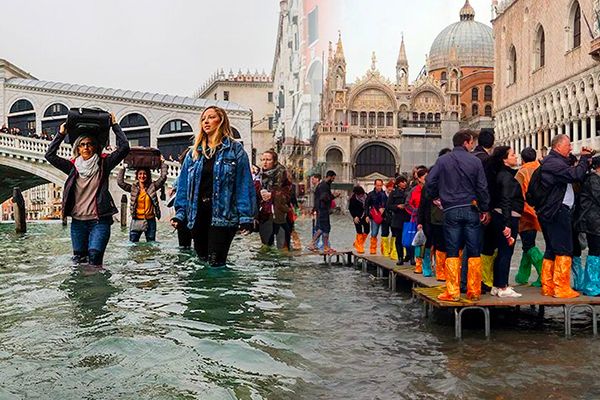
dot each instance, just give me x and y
(156, 323)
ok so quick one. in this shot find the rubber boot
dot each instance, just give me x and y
(373, 247)
(474, 279)
(487, 270)
(361, 239)
(522, 277)
(440, 265)
(578, 274)
(394, 251)
(385, 246)
(537, 257)
(562, 278)
(419, 265)
(452, 292)
(356, 243)
(427, 271)
(547, 277)
(592, 276)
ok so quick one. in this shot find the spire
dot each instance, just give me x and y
(402, 60)
(467, 13)
(339, 51)
(373, 62)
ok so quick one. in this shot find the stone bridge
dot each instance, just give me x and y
(22, 164)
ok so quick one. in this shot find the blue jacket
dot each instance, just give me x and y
(233, 199)
(458, 178)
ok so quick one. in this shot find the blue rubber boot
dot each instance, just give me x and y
(591, 286)
(578, 274)
(427, 271)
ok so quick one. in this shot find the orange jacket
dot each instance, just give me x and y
(528, 221)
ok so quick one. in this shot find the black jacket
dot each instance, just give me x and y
(480, 153)
(398, 215)
(105, 205)
(557, 172)
(589, 216)
(506, 194)
(356, 207)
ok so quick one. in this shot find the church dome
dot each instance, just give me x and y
(472, 40)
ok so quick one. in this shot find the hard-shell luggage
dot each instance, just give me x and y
(143, 157)
(90, 121)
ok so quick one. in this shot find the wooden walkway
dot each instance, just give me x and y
(428, 288)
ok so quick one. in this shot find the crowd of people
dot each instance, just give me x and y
(26, 133)
(457, 220)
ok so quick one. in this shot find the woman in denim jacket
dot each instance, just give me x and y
(215, 194)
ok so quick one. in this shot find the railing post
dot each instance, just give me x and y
(19, 211)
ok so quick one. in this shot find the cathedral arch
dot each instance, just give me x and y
(375, 158)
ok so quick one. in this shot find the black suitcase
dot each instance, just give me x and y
(143, 157)
(90, 121)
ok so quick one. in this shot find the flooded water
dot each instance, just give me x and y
(157, 324)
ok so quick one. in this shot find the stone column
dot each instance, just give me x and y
(568, 128)
(593, 132)
(584, 128)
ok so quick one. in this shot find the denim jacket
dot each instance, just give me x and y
(233, 199)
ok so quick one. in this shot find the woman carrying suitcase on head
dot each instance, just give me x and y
(215, 193)
(143, 205)
(86, 198)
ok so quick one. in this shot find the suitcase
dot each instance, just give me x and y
(143, 157)
(90, 121)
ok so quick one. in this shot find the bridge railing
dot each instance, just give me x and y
(25, 146)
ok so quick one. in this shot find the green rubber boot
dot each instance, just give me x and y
(537, 257)
(524, 272)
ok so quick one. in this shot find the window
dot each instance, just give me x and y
(270, 123)
(475, 94)
(56, 110)
(389, 119)
(354, 118)
(20, 106)
(540, 48)
(226, 95)
(512, 65)
(270, 97)
(380, 119)
(576, 25)
(474, 110)
(313, 26)
(175, 126)
(488, 111)
(444, 76)
(487, 93)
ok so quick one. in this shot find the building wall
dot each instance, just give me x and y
(559, 97)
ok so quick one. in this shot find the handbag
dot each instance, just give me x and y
(138, 225)
(409, 230)
(376, 216)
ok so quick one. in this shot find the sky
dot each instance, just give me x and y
(173, 46)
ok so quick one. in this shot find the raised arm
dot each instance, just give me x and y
(114, 158)
(160, 182)
(51, 154)
(121, 181)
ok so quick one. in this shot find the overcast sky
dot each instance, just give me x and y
(172, 46)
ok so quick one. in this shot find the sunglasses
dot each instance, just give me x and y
(86, 144)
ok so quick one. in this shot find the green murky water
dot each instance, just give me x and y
(156, 324)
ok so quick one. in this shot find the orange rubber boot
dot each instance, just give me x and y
(360, 243)
(562, 278)
(452, 292)
(419, 265)
(440, 265)
(547, 277)
(356, 243)
(373, 247)
(474, 279)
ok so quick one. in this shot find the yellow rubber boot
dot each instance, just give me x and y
(487, 270)
(562, 278)
(385, 246)
(373, 247)
(394, 251)
(440, 265)
(474, 279)
(452, 292)
(547, 277)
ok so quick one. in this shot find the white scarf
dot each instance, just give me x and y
(89, 167)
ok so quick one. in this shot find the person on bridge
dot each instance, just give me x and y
(215, 194)
(86, 198)
(144, 206)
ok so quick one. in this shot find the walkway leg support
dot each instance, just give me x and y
(19, 211)
(458, 320)
(568, 318)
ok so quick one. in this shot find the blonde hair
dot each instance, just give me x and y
(79, 140)
(201, 139)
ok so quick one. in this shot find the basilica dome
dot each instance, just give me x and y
(472, 41)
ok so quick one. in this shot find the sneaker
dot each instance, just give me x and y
(508, 293)
(494, 291)
(400, 262)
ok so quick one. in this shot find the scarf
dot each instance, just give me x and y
(89, 167)
(273, 177)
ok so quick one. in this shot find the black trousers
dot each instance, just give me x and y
(558, 234)
(528, 239)
(362, 226)
(184, 235)
(211, 243)
(593, 244)
(505, 252)
(439, 240)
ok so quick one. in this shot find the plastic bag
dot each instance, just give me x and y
(419, 239)
(409, 229)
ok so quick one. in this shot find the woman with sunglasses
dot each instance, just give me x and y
(86, 198)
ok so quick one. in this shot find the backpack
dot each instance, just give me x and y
(536, 192)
